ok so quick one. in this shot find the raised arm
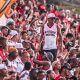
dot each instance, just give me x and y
(41, 62)
(59, 39)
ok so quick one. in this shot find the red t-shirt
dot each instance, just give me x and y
(2, 54)
(78, 29)
(57, 77)
(20, 8)
(39, 57)
(57, 13)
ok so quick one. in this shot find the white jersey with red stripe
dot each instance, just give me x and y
(50, 37)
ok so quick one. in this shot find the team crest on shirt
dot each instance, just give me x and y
(50, 33)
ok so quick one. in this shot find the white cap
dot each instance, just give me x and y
(19, 45)
(51, 15)
(13, 33)
(3, 66)
(67, 11)
(26, 8)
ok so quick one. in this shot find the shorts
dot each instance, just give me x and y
(53, 51)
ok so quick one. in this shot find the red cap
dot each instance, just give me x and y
(42, 7)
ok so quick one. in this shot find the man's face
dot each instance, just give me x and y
(12, 26)
(16, 37)
(52, 75)
(70, 39)
(50, 20)
(36, 14)
(27, 45)
(13, 76)
(66, 72)
(41, 76)
(25, 57)
(5, 31)
(24, 36)
(58, 65)
(3, 72)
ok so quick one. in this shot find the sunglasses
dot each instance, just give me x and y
(53, 18)
(11, 72)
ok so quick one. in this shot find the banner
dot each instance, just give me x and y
(5, 6)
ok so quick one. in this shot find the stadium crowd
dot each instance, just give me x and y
(23, 55)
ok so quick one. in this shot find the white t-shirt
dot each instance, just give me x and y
(16, 64)
(24, 75)
(3, 20)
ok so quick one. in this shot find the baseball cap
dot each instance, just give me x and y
(19, 45)
(3, 66)
(3, 27)
(13, 33)
(51, 15)
(42, 7)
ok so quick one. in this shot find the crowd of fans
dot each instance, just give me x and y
(21, 52)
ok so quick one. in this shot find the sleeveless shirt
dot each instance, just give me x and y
(50, 37)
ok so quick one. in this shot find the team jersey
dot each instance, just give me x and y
(50, 37)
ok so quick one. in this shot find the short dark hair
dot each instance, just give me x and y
(49, 71)
(33, 74)
(12, 55)
(23, 32)
(63, 29)
(3, 27)
(40, 72)
(69, 35)
(27, 65)
(2, 42)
